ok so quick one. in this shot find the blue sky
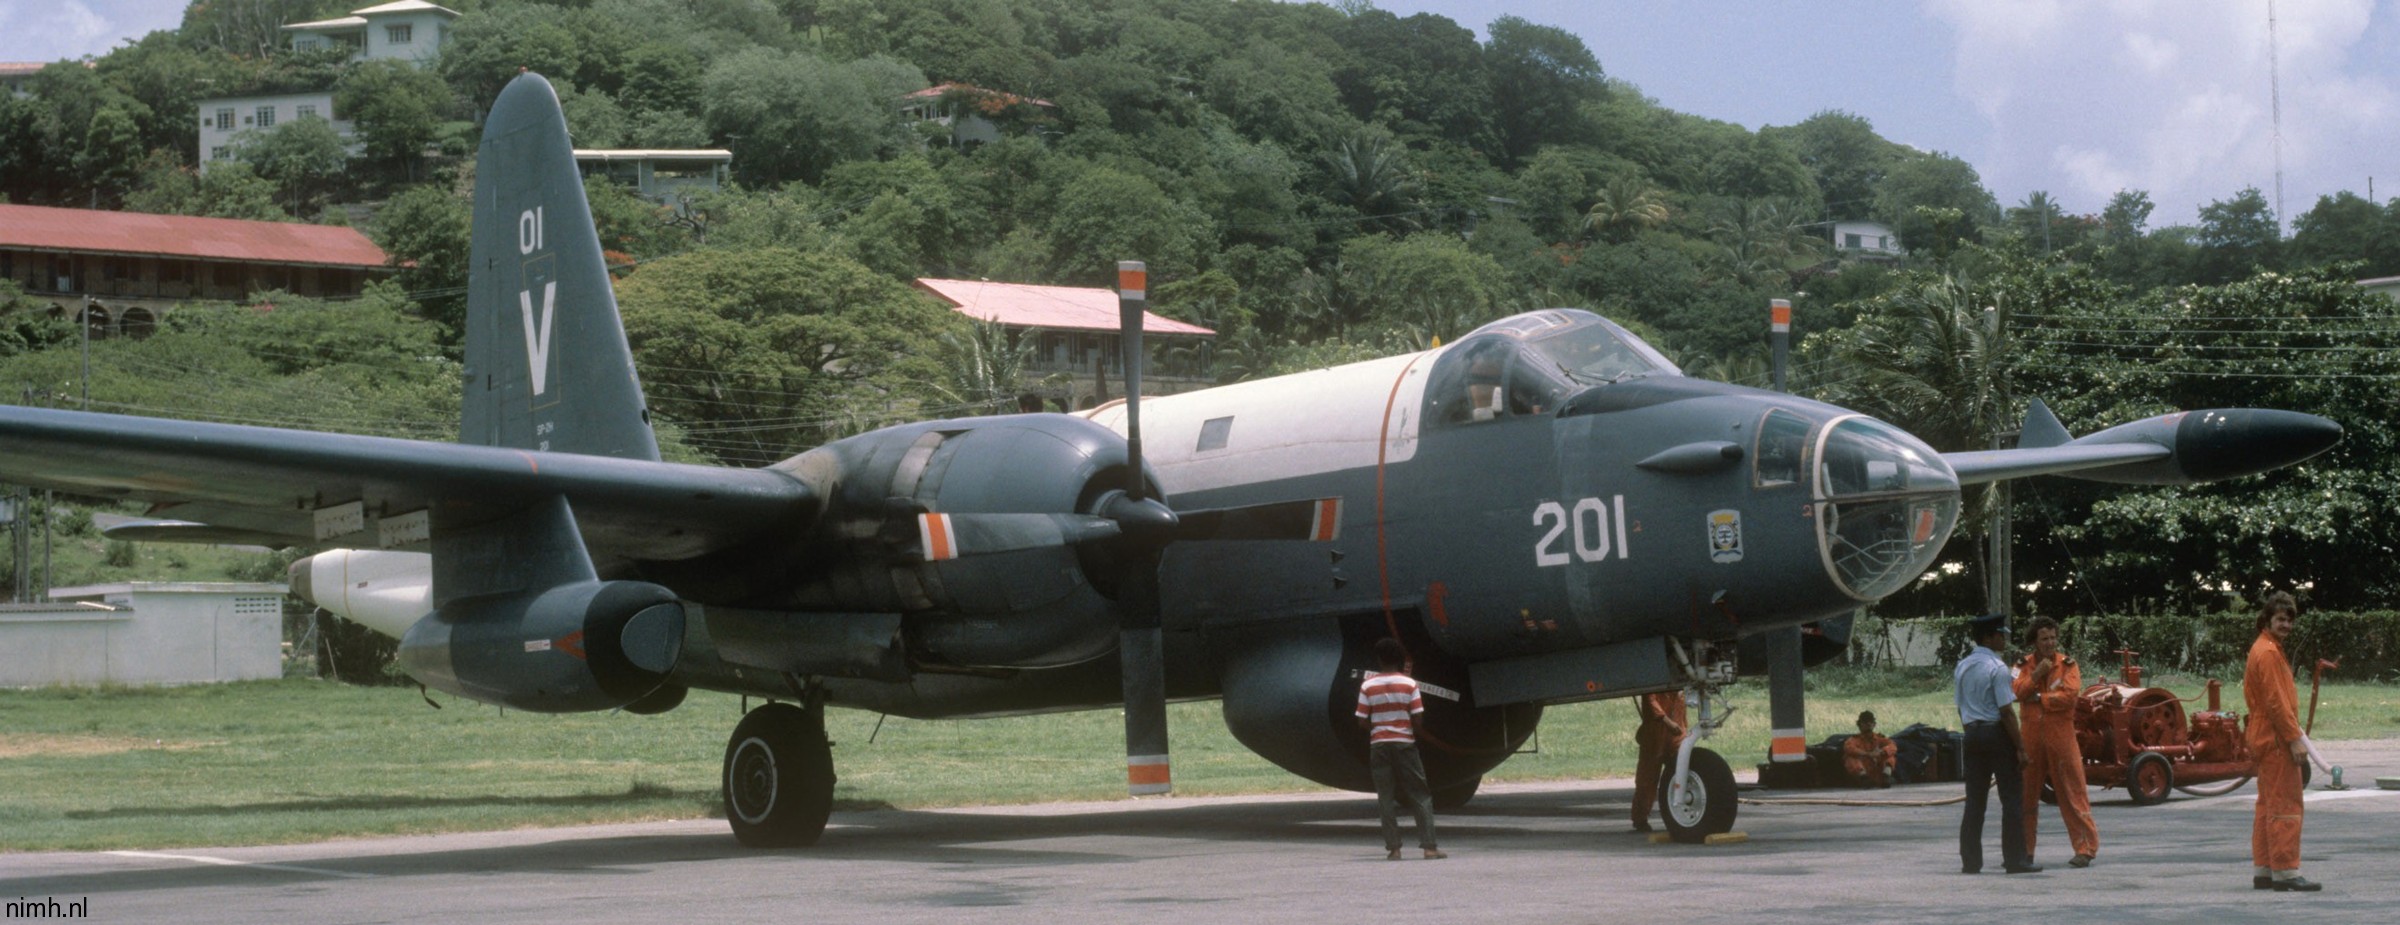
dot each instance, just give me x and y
(2080, 98)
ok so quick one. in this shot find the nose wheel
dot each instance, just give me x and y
(779, 777)
(1696, 796)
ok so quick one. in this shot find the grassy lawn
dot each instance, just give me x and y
(296, 760)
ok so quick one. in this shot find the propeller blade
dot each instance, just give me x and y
(1141, 651)
(1132, 300)
(1316, 519)
(942, 537)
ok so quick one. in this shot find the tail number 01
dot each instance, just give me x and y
(1593, 523)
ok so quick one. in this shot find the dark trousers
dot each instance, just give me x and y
(1989, 754)
(1400, 778)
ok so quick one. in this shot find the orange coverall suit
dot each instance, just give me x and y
(1869, 758)
(2048, 724)
(1661, 731)
(2274, 725)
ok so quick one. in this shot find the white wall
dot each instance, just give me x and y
(160, 633)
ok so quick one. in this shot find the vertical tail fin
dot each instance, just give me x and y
(547, 363)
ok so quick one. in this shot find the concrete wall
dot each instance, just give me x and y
(159, 633)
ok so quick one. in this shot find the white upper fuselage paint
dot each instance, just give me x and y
(1311, 423)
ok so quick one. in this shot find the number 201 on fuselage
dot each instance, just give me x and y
(1584, 532)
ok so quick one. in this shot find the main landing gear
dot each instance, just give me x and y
(779, 775)
(1696, 796)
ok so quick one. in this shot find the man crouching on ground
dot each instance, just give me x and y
(1388, 707)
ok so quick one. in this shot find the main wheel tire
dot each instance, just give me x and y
(2220, 788)
(1708, 803)
(2150, 778)
(778, 777)
(1456, 795)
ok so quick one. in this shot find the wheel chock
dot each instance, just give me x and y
(2388, 783)
(1735, 838)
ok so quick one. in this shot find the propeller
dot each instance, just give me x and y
(1137, 528)
(1141, 643)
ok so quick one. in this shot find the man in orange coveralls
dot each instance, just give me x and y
(2047, 686)
(1661, 731)
(1868, 758)
(2280, 749)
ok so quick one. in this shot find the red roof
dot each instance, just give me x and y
(1056, 308)
(90, 231)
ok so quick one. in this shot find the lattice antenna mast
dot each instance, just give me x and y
(2275, 106)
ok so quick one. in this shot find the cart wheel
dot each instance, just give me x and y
(2216, 789)
(2149, 777)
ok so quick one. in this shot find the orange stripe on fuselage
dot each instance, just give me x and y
(937, 537)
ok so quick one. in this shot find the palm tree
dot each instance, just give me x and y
(1371, 176)
(1761, 239)
(1625, 206)
(983, 368)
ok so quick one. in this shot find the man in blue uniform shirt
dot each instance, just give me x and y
(1993, 749)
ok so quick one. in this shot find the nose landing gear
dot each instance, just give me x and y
(1696, 797)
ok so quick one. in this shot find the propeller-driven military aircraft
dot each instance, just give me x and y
(1543, 511)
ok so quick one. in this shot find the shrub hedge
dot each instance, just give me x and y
(2367, 643)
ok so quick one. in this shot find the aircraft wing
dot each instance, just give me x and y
(2183, 448)
(290, 487)
(1995, 465)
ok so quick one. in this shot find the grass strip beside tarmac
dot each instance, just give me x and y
(299, 760)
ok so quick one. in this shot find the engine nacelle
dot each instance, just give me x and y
(594, 645)
(1293, 700)
(1031, 608)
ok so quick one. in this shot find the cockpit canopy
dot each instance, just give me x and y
(1531, 363)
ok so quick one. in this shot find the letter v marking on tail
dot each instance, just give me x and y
(537, 345)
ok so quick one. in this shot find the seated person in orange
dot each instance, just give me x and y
(1869, 758)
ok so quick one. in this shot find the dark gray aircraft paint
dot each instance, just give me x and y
(1554, 514)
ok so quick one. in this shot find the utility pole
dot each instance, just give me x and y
(87, 352)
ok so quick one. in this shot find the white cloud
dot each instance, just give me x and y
(2153, 53)
(2170, 96)
(62, 29)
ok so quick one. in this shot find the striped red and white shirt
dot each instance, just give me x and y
(1387, 700)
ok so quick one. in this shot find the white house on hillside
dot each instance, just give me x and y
(410, 30)
(1869, 239)
(221, 119)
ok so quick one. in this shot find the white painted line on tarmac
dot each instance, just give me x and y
(229, 862)
(2314, 796)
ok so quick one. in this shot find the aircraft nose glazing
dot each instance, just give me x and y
(1886, 504)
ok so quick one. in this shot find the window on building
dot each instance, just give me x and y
(1851, 241)
(219, 152)
(266, 117)
(398, 35)
(225, 119)
(305, 111)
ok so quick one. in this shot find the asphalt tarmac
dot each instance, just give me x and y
(1519, 853)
